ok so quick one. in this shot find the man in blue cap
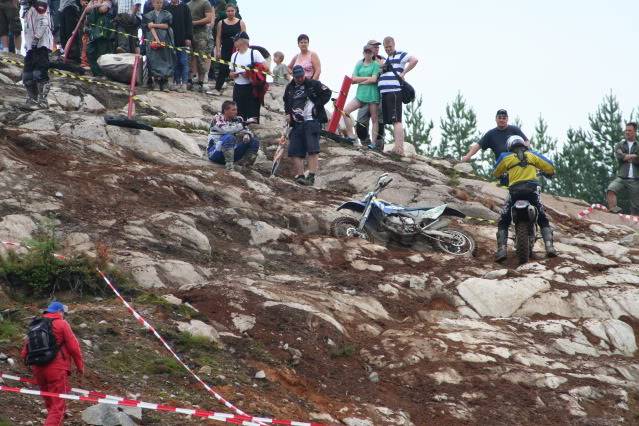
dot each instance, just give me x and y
(49, 348)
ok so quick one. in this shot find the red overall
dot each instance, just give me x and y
(53, 377)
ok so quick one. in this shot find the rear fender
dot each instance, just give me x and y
(356, 206)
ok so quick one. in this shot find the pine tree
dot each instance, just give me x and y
(459, 129)
(572, 167)
(418, 131)
(542, 142)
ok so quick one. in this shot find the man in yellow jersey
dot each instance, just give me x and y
(521, 165)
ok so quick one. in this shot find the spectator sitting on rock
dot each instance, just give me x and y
(304, 101)
(230, 140)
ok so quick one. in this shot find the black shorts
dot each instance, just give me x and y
(304, 139)
(392, 107)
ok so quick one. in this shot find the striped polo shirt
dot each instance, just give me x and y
(387, 81)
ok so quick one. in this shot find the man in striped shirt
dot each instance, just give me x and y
(390, 89)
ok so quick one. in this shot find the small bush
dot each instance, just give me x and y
(189, 342)
(39, 273)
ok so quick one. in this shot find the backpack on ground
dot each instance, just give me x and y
(41, 347)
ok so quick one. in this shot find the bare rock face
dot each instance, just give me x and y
(408, 336)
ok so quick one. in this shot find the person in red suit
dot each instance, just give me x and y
(53, 377)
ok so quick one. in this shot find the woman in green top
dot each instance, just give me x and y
(365, 76)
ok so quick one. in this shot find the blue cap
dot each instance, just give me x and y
(55, 307)
(298, 71)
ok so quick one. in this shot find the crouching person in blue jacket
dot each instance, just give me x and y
(230, 140)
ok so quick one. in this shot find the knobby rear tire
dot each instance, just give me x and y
(522, 242)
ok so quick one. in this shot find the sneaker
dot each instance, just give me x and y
(615, 209)
(189, 85)
(200, 86)
(357, 144)
(310, 179)
(181, 88)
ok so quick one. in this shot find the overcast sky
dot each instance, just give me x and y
(558, 58)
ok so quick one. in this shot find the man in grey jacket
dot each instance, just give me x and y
(627, 154)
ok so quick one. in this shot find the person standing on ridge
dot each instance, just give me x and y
(496, 138)
(49, 348)
(627, 154)
(304, 101)
(391, 90)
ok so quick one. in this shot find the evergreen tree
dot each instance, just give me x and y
(542, 142)
(418, 131)
(459, 129)
(572, 167)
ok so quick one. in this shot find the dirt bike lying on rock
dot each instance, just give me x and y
(408, 226)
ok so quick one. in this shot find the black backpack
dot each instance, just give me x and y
(42, 347)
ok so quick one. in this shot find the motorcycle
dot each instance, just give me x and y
(526, 229)
(408, 226)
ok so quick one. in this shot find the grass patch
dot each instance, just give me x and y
(190, 342)
(10, 331)
(343, 351)
(38, 273)
(4, 422)
(142, 362)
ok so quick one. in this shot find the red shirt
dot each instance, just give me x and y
(69, 348)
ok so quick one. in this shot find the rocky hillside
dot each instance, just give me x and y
(295, 324)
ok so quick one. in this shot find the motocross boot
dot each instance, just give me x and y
(502, 245)
(32, 94)
(229, 157)
(250, 158)
(546, 234)
(43, 93)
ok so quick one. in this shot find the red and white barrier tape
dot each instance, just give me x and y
(149, 327)
(14, 244)
(101, 398)
(582, 214)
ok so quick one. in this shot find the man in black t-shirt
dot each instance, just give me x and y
(496, 138)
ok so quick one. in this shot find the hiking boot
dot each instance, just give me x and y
(229, 155)
(615, 209)
(546, 234)
(310, 179)
(502, 245)
(200, 86)
(301, 180)
(43, 93)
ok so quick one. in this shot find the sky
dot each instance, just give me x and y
(557, 58)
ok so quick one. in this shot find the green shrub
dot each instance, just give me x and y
(343, 351)
(39, 273)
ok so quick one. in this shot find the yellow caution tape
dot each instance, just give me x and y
(187, 50)
(69, 74)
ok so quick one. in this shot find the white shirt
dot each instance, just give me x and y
(244, 59)
(631, 171)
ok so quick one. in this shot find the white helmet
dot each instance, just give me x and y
(515, 141)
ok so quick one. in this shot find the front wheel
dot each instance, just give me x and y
(522, 242)
(457, 242)
(346, 227)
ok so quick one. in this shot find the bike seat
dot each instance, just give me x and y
(413, 209)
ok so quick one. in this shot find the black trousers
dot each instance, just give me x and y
(223, 70)
(36, 65)
(248, 106)
(69, 18)
(529, 193)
